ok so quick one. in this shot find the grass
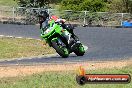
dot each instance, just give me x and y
(8, 3)
(17, 48)
(61, 80)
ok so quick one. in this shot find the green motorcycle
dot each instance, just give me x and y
(61, 40)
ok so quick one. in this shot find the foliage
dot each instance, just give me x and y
(128, 5)
(79, 5)
(98, 5)
(36, 3)
(124, 6)
(33, 3)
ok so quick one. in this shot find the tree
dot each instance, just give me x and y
(123, 6)
(79, 5)
(128, 5)
(36, 3)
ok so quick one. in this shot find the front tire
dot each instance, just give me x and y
(61, 50)
(79, 50)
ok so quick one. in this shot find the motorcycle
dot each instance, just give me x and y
(61, 40)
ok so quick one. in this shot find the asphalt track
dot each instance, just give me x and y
(104, 43)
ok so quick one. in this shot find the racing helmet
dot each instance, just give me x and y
(44, 14)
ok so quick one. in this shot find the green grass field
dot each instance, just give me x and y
(63, 79)
(8, 3)
(17, 48)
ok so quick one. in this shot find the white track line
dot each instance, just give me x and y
(1, 35)
(85, 47)
(17, 37)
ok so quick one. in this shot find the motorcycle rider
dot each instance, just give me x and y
(44, 19)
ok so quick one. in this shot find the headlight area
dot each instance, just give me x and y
(47, 30)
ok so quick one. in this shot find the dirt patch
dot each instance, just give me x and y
(12, 71)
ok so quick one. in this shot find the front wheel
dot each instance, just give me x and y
(79, 50)
(61, 50)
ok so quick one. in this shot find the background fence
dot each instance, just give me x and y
(21, 15)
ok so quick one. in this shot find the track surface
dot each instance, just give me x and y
(103, 43)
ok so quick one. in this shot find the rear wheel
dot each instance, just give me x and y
(61, 50)
(79, 50)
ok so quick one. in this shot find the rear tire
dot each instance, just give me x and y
(79, 50)
(61, 50)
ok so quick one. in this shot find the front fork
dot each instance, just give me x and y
(67, 35)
